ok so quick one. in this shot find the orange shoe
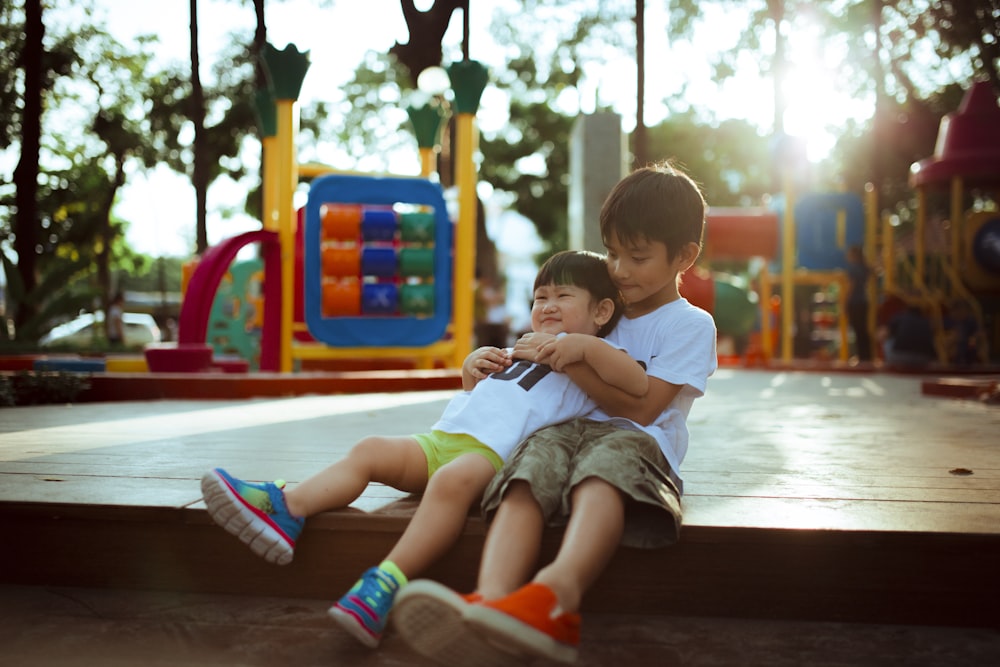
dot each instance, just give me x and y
(524, 620)
(428, 616)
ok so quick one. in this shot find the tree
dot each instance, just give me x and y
(64, 239)
(426, 30)
(26, 173)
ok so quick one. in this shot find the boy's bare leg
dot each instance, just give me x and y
(441, 514)
(397, 461)
(591, 539)
(513, 542)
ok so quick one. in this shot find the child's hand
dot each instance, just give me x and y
(562, 352)
(530, 345)
(485, 360)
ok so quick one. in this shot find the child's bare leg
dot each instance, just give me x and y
(397, 461)
(592, 536)
(442, 512)
(512, 543)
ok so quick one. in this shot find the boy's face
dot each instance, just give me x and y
(559, 309)
(643, 274)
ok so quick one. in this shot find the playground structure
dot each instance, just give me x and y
(952, 263)
(374, 269)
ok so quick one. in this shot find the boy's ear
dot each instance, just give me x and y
(687, 256)
(605, 310)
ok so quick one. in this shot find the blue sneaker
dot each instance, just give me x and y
(364, 610)
(255, 513)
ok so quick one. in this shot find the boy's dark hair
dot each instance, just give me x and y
(655, 203)
(589, 270)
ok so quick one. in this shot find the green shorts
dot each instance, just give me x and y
(441, 448)
(555, 459)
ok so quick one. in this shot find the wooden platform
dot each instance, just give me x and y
(810, 496)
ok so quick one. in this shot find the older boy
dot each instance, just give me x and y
(612, 478)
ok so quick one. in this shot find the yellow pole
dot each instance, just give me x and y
(788, 272)
(957, 215)
(426, 162)
(918, 240)
(871, 252)
(888, 252)
(468, 79)
(766, 350)
(465, 234)
(270, 183)
(287, 179)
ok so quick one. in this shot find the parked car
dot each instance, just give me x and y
(140, 329)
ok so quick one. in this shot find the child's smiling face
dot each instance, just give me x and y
(559, 309)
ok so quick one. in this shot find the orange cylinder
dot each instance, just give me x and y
(341, 222)
(341, 298)
(341, 262)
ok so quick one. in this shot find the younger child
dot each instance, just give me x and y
(503, 401)
(611, 478)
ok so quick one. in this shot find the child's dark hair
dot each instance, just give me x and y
(589, 270)
(655, 203)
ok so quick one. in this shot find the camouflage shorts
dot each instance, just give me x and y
(555, 459)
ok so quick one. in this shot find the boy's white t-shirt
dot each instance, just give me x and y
(676, 343)
(505, 408)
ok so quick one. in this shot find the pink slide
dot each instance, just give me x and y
(197, 306)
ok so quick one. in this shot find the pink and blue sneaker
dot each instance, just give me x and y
(364, 610)
(255, 513)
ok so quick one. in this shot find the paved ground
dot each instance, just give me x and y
(787, 449)
(79, 627)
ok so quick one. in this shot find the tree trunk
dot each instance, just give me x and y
(107, 240)
(199, 177)
(26, 173)
(426, 30)
(639, 148)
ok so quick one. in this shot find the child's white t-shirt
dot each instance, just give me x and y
(676, 343)
(505, 408)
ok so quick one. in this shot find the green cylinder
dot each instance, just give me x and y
(416, 262)
(416, 227)
(417, 299)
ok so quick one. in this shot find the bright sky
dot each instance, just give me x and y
(161, 204)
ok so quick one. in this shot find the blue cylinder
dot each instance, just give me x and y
(378, 224)
(379, 262)
(379, 299)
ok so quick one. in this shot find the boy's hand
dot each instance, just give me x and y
(485, 360)
(530, 347)
(567, 350)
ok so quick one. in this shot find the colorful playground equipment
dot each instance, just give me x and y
(808, 248)
(374, 269)
(949, 260)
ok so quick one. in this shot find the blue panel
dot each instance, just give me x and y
(70, 365)
(400, 330)
(816, 229)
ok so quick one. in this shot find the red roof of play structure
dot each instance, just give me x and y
(968, 143)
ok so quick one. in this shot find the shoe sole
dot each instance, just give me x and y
(506, 630)
(229, 511)
(429, 618)
(350, 623)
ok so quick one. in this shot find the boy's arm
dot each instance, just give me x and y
(612, 365)
(617, 403)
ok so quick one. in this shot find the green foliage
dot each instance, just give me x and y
(729, 160)
(40, 388)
